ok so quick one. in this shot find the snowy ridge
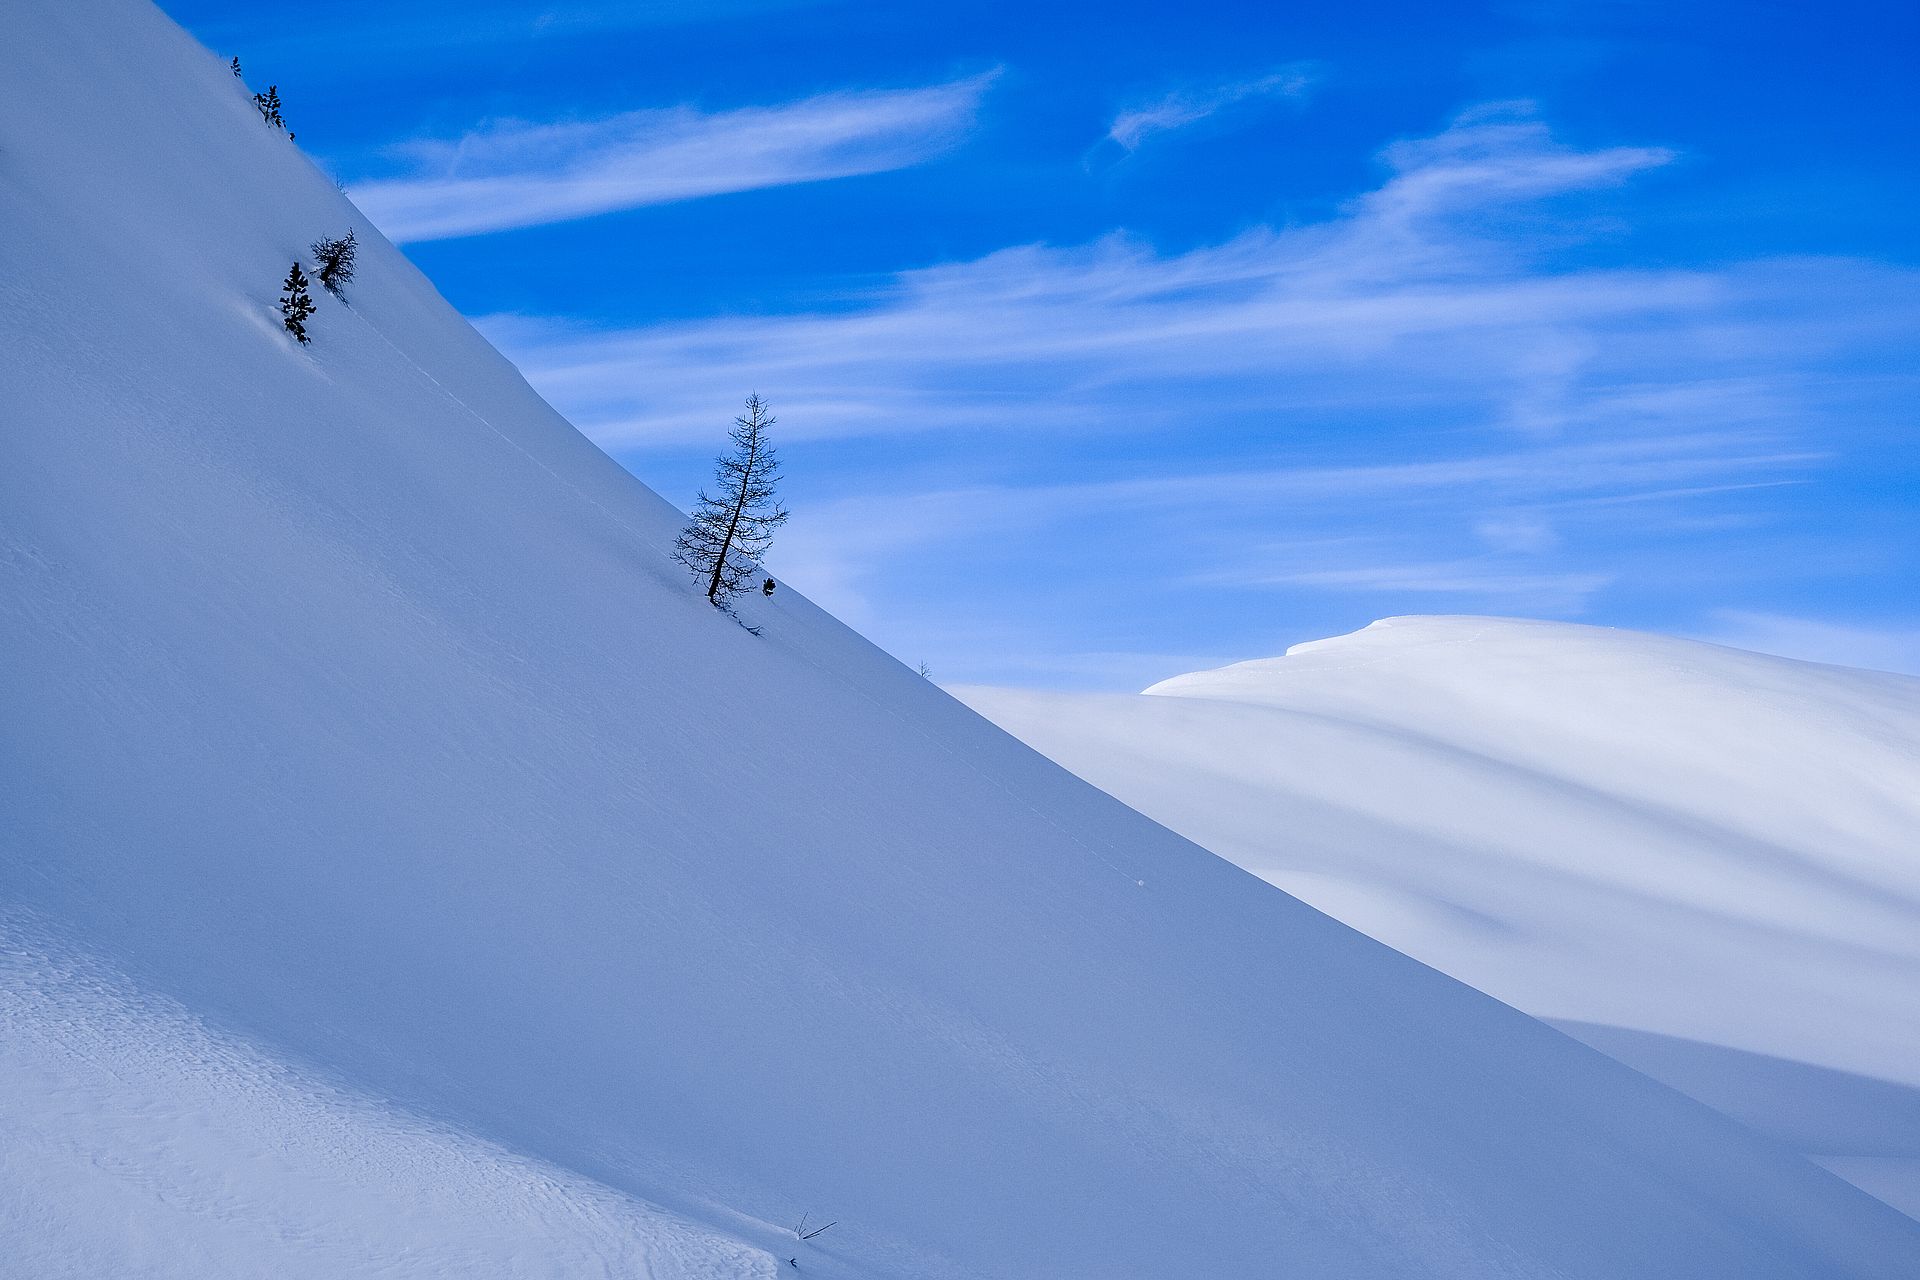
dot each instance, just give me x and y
(1689, 854)
(413, 806)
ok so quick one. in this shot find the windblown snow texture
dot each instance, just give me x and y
(1703, 861)
(376, 794)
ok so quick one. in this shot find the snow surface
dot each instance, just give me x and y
(403, 869)
(1704, 862)
(219, 1161)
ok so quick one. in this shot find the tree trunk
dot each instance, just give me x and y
(733, 522)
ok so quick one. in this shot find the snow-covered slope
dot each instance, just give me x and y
(1698, 855)
(405, 872)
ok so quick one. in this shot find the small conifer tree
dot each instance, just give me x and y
(335, 257)
(268, 104)
(296, 304)
(731, 530)
(236, 67)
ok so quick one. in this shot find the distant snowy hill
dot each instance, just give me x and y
(403, 871)
(1693, 854)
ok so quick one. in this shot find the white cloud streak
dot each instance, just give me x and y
(1591, 486)
(1414, 296)
(519, 174)
(1481, 579)
(1135, 124)
(1556, 426)
(1893, 647)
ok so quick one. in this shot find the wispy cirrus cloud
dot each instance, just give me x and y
(1134, 124)
(518, 174)
(1194, 426)
(1472, 577)
(1883, 647)
(1335, 530)
(1415, 297)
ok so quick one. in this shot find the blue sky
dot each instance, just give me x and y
(1111, 341)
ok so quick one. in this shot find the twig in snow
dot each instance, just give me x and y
(801, 1228)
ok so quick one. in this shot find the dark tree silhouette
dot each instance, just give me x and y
(731, 530)
(296, 304)
(335, 257)
(236, 67)
(268, 104)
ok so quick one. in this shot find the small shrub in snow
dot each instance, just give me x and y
(268, 105)
(236, 68)
(335, 257)
(731, 531)
(296, 304)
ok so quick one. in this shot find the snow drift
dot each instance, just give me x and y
(1704, 861)
(401, 862)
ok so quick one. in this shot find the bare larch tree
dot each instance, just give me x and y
(335, 255)
(731, 530)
